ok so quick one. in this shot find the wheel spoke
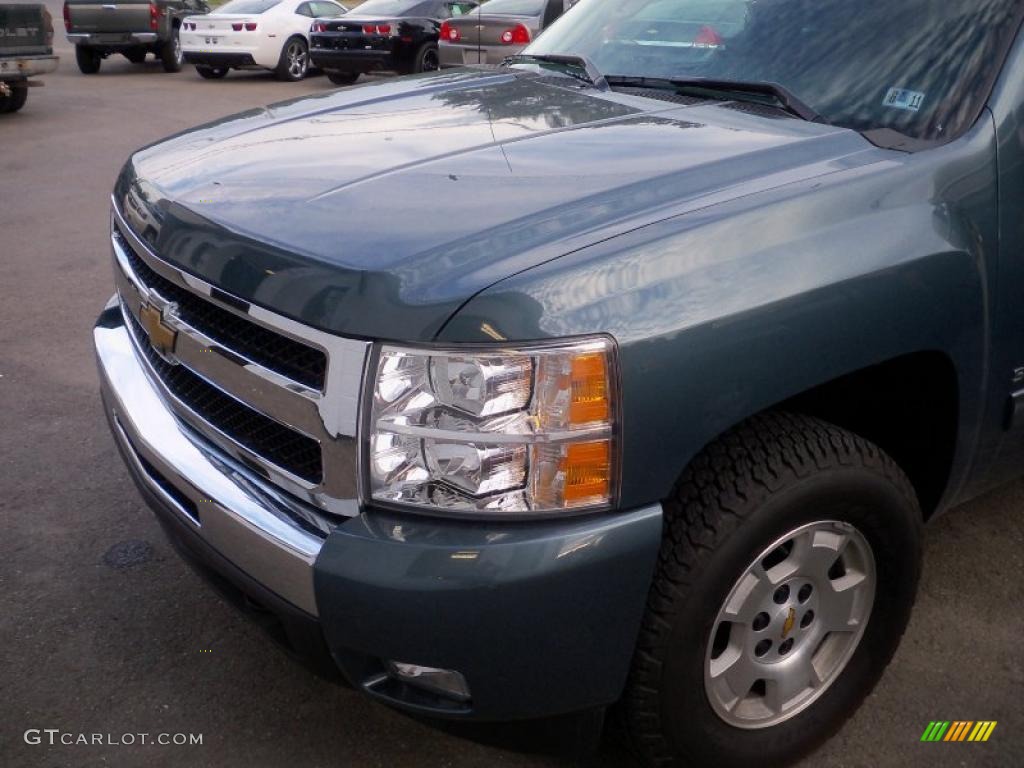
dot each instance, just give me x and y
(818, 677)
(785, 684)
(816, 551)
(838, 606)
(744, 603)
(733, 674)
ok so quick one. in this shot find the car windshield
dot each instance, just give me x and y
(512, 7)
(390, 7)
(247, 6)
(922, 68)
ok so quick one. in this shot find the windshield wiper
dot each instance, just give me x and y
(731, 90)
(578, 67)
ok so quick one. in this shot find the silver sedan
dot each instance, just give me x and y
(496, 29)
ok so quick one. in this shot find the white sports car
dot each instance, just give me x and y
(255, 34)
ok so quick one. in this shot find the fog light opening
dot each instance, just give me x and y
(443, 682)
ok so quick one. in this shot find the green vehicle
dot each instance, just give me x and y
(26, 51)
(132, 29)
(622, 377)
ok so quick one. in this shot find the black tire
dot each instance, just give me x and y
(342, 78)
(426, 59)
(211, 73)
(136, 56)
(171, 55)
(16, 100)
(759, 482)
(88, 60)
(293, 63)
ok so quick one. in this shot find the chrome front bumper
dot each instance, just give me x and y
(266, 534)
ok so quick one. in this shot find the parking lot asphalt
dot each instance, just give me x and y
(104, 630)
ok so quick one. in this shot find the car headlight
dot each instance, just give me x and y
(523, 430)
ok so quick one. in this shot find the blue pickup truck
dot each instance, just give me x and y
(622, 377)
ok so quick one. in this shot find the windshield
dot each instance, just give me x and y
(919, 67)
(512, 7)
(247, 6)
(391, 7)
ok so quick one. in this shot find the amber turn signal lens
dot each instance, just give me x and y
(589, 389)
(588, 472)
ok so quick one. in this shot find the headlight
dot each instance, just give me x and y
(515, 431)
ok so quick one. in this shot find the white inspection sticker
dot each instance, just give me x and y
(898, 98)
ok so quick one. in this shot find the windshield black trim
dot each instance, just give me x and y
(729, 90)
(590, 73)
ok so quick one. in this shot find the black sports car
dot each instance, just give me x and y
(398, 35)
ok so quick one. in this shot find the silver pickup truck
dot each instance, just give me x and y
(133, 29)
(26, 50)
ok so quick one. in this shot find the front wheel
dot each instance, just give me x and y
(785, 581)
(342, 78)
(88, 60)
(294, 61)
(15, 101)
(171, 55)
(211, 73)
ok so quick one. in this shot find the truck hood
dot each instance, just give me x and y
(377, 211)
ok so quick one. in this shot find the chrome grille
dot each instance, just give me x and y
(286, 356)
(262, 435)
(277, 395)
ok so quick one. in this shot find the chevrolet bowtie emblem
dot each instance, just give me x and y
(790, 621)
(161, 335)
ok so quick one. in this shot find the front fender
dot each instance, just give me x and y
(723, 312)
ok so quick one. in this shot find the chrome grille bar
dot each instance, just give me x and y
(292, 360)
(261, 436)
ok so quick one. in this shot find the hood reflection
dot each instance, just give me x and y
(485, 174)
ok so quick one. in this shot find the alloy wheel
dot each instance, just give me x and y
(790, 625)
(430, 60)
(297, 60)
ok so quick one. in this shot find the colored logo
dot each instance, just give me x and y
(161, 335)
(958, 730)
(790, 621)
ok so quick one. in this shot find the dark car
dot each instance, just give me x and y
(629, 372)
(396, 35)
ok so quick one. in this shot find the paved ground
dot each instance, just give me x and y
(87, 647)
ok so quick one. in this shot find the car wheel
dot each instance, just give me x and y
(294, 60)
(171, 55)
(342, 78)
(426, 59)
(211, 73)
(15, 101)
(785, 580)
(88, 60)
(136, 56)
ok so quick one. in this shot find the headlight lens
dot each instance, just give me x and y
(518, 431)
